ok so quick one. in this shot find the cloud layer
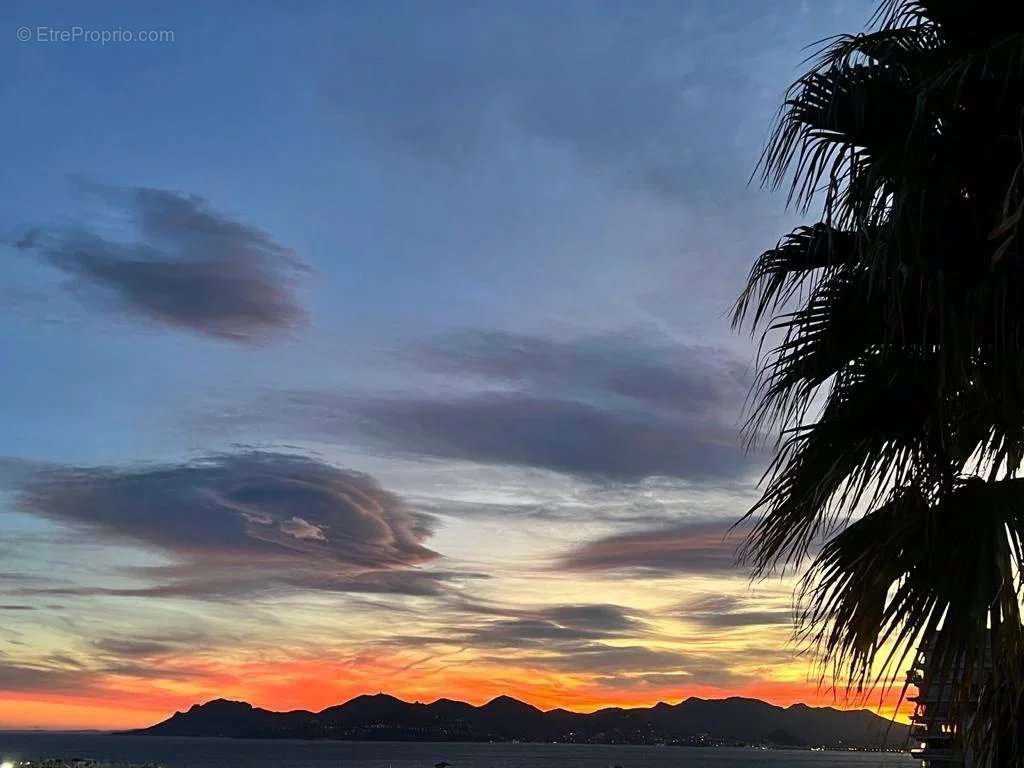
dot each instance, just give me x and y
(185, 266)
(619, 407)
(607, 643)
(694, 547)
(243, 522)
(730, 611)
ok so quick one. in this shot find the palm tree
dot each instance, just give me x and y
(894, 372)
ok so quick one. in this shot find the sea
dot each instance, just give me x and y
(181, 752)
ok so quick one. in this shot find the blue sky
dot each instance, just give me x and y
(479, 254)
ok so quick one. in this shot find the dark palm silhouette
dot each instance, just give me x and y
(893, 375)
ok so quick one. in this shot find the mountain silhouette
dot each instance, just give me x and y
(694, 721)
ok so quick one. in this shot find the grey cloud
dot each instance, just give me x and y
(245, 581)
(619, 407)
(561, 435)
(714, 604)
(144, 670)
(63, 674)
(639, 368)
(728, 612)
(522, 632)
(238, 505)
(743, 619)
(563, 623)
(720, 669)
(650, 503)
(629, 665)
(587, 638)
(700, 670)
(605, 641)
(135, 647)
(625, 91)
(492, 625)
(697, 547)
(158, 654)
(600, 658)
(229, 521)
(188, 267)
(45, 677)
(643, 511)
(595, 617)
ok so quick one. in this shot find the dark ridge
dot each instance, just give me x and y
(694, 721)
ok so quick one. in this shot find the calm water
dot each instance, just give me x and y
(238, 753)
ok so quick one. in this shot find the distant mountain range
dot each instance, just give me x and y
(693, 721)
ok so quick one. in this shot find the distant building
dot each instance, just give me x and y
(936, 727)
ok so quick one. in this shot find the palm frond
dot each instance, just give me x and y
(779, 273)
(894, 376)
(914, 568)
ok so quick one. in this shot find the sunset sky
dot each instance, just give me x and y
(359, 347)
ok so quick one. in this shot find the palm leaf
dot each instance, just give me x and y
(894, 371)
